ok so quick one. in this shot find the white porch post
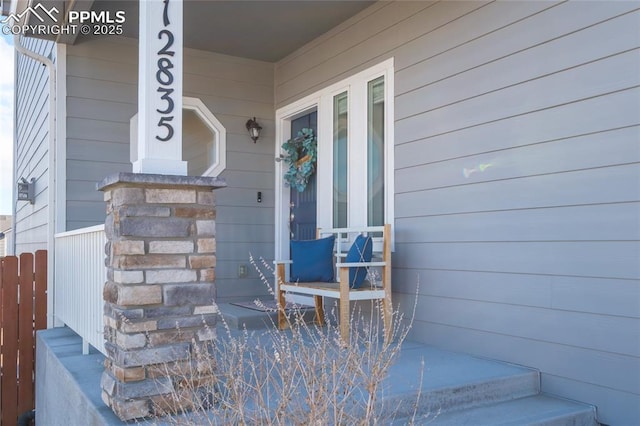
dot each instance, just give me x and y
(159, 129)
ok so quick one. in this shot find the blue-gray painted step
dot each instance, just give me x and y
(536, 410)
(459, 389)
(451, 381)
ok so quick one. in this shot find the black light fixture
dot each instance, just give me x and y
(254, 129)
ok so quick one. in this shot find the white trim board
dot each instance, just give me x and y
(322, 101)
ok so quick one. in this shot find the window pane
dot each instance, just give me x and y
(198, 143)
(375, 152)
(340, 160)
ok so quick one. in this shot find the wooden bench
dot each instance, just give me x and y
(379, 289)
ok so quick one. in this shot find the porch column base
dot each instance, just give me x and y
(160, 290)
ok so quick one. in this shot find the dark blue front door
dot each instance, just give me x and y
(302, 214)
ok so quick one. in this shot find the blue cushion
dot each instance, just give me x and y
(361, 251)
(312, 260)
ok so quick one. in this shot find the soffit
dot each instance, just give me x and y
(266, 30)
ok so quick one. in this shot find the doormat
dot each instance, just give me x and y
(269, 306)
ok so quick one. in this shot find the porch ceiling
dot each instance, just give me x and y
(266, 30)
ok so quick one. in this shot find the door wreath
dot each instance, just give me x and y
(301, 157)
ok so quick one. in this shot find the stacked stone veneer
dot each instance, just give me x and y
(160, 293)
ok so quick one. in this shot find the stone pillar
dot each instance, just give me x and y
(159, 297)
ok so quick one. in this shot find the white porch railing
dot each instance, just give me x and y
(80, 274)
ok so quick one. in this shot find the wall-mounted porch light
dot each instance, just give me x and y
(254, 129)
(27, 190)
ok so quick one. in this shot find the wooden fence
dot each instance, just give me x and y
(23, 310)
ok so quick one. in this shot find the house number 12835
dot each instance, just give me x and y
(164, 77)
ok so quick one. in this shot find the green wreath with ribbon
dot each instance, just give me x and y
(302, 154)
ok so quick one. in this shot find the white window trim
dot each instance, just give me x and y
(208, 119)
(322, 101)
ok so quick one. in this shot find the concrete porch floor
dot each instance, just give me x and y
(456, 388)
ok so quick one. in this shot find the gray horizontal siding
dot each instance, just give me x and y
(563, 364)
(614, 259)
(614, 184)
(101, 99)
(560, 154)
(235, 89)
(598, 114)
(551, 326)
(567, 223)
(517, 179)
(32, 145)
(606, 296)
(515, 32)
(563, 88)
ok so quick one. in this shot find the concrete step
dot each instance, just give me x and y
(452, 381)
(534, 410)
(459, 389)
(427, 385)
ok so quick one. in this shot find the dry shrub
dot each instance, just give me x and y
(302, 375)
